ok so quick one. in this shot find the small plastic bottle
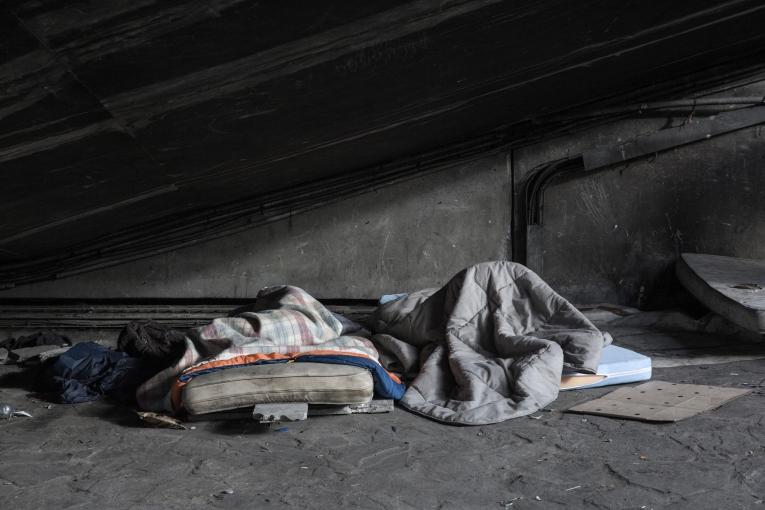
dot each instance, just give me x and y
(6, 411)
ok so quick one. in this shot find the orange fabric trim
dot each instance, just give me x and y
(242, 359)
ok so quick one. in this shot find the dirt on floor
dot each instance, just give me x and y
(98, 455)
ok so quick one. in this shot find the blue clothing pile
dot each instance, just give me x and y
(89, 370)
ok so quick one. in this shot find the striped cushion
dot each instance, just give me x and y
(314, 383)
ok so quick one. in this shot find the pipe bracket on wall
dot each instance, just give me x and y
(529, 199)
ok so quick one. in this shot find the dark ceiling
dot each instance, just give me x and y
(120, 115)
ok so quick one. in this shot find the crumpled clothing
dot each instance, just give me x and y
(349, 326)
(35, 340)
(153, 342)
(89, 370)
(285, 324)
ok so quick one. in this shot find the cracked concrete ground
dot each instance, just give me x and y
(97, 455)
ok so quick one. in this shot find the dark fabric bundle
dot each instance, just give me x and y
(89, 370)
(35, 340)
(152, 342)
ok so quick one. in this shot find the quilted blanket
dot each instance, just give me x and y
(488, 346)
(285, 324)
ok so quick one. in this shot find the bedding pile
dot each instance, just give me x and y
(285, 324)
(487, 347)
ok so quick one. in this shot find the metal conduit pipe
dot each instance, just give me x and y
(668, 105)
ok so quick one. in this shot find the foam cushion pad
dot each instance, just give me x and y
(314, 383)
(730, 286)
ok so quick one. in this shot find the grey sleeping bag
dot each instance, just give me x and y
(488, 346)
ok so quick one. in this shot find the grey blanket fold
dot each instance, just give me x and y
(488, 346)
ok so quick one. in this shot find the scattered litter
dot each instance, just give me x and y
(303, 467)
(479, 433)
(734, 373)
(536, 417)
(160, 420)
(53, 353)
(222, 494)
(7, 411)
(282, 429)
(642, 457)
(584, 420)
(537, 498)
(574, 488)
(510, 502)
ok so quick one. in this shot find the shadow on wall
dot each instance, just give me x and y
(614, 235)
(407, 236)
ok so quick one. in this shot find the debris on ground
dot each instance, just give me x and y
(222, 494)
(7, 411)
(510, 502)
(160, 420)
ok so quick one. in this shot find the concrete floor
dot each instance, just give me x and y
(97, 455)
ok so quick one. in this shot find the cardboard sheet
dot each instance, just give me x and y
(659, 401)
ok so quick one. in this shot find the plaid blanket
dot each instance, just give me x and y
(284, 324)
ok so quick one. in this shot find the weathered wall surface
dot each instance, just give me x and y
(611, 235)
(615, 234)
(411, 235)
(116, 114)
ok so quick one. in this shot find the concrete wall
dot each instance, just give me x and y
(615, 234)
(607, 236)
(408, 236)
